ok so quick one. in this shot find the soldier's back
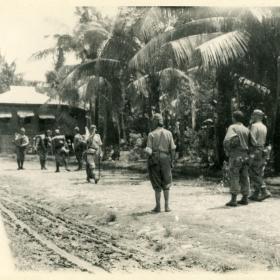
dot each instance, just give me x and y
(161, 139)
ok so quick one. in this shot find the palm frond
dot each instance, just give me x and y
(140, 86)
(257, 13)
(42, 54)
(152, 23)
(183, 49)
(82, 28)
(196, 27)
(94, 85)
(172, 73)
(223, 49)
(98, 67)
(244, 82)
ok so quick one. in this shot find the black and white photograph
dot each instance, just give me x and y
(139, 139)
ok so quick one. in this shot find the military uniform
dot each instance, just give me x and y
(43, 143)
(21, 142)
(236, 148)
(258, 133)
(161, 142)
(60, 151)
(79, 148)
(92, 154)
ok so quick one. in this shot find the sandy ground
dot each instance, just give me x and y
(67, 222)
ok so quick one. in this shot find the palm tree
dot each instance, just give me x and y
(203, 40)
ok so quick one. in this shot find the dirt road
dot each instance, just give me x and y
(58, 221)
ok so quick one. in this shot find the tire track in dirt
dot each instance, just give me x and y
(91, 243)
(82, 264)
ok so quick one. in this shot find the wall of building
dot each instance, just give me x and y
(66, 119)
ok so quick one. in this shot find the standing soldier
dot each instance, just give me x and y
(236, 148)
(21, 141)
(43, 144)
(93, 153)
(258, 156)
(79, 147)
(161, 150)
(60, 150)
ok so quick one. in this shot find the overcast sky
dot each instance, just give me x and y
(22, 31)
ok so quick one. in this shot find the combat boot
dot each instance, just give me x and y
(232, 202)
(157, 197)
(264, 194)
(166, 198)
(255, 195)
(57, 168)
(244, 200)
(42, 164)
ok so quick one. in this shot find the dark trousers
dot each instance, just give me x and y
(20, 156)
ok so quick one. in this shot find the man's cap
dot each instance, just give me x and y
(258, 112)
(93, 126)
(22, 129)
(48, 131)
(57, 131)
(208, 121)
(76, 129)
(158, 117)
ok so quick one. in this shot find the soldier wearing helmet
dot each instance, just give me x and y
(21, 141)
(258, 156)
(93, 153)
(79, 147)
(236, 145)
(161, 151)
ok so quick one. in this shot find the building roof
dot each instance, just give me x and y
(26, 95)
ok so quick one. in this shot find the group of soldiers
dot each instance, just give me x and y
(86, 147)
(245, 147)
(247, 156)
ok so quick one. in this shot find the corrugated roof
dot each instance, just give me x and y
(26, 95)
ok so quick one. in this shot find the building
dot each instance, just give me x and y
(23, 106)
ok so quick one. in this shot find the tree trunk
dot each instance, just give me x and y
(275, 128)
(122, 126)
(223, 111)
(182, 138)
(97, 107)
(193, 109)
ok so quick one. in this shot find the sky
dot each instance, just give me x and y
(23, 28)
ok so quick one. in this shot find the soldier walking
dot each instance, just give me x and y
(258, 156)
(93, 153)
(21, 141)
(60, 150)
(43, 144)
(79, 147)
(236, 145)
(161, 150)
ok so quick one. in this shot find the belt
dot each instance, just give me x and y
(158, 152)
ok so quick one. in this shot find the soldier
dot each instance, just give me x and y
(60, 150)
(21, 141)
(79, 147)
(236, 148)
(93, 153)
(161, 151)
(258, 156)
(43, 144)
